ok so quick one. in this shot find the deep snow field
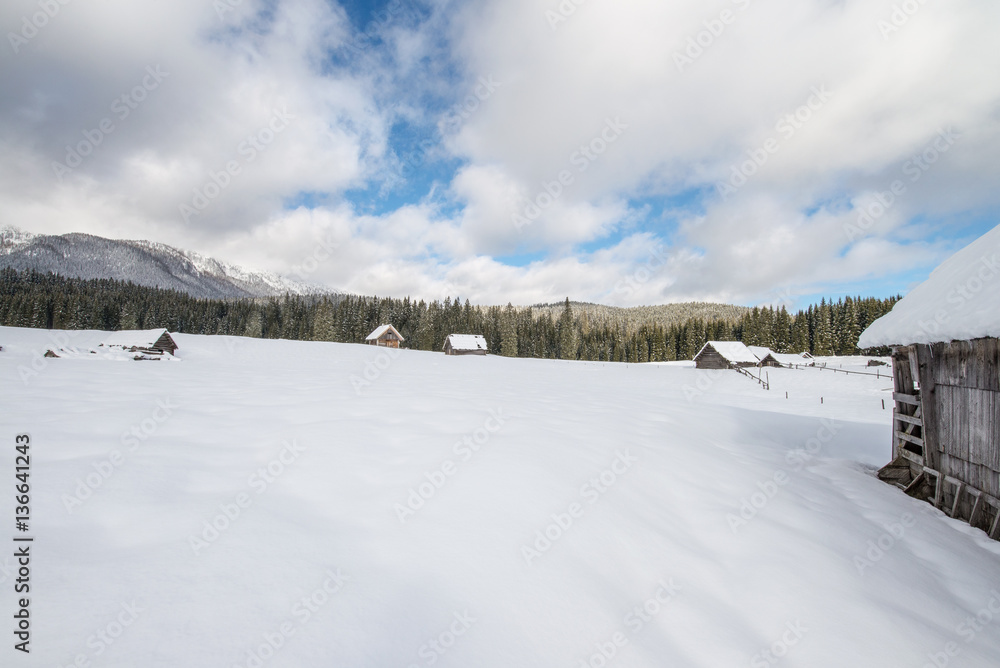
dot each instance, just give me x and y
(389, 510)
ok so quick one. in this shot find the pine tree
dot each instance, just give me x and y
(568, 341)
(508, 332)
(823, 336)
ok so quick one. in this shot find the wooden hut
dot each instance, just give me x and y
(945, 358)
(385, 336)
(465, 344)
(149, 341)
(760, 352)
(725, 355)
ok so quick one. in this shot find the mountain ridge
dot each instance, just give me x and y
(147, 263)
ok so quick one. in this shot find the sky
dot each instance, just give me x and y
(624, 152)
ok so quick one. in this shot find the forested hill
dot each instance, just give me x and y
(32, 299)
(635, 316)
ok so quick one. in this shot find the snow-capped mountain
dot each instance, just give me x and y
(142, 262)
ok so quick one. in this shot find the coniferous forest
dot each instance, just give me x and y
(48, 301)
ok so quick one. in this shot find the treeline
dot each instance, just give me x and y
(48, 301)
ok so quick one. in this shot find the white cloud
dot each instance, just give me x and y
(558, 88)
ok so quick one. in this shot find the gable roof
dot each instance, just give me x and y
(960, 301)
(382, 330)
(733, 351)
(139, 338)
(466, 342)
(760, 351)
(787, 359)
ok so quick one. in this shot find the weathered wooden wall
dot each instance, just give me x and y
(711, 359)
(946, 427)
(962, 381)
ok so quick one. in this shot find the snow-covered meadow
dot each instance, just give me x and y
(291, 504)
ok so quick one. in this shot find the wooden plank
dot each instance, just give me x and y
(916, 482)
(929, 398)
(995, 529)
(910, 439)
(910, 419)
(958, 498)
(909, 399)
(938, 485)
(977, 508)
(981, 413)
(911, 456)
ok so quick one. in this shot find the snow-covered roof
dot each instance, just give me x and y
(128, 338)
(760, 352)
(733, 351)
(382, 330)
(788, 358)
(467, 342)
(960, 301)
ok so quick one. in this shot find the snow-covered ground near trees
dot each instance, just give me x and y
(292, 504)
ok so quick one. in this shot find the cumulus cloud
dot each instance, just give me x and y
(551, 135)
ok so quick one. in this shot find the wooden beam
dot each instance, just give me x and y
(929, 399)
(915, 483)
(938, 487)
(958, 498)
(910, 420)
(977, 508)
(911, 439)
(910, 399)
(911, 456)
(995, 529)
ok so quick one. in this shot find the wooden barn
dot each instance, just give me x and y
(465, 344)
(946, 364)
(725, 355)
(385, 336)
(149, 341)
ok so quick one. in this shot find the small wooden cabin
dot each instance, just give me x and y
(149, 341)
(725, 355)
(465, 344)
(385, 336)
(946, 364)
(786, 360)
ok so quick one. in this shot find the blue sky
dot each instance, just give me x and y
(626, 153)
